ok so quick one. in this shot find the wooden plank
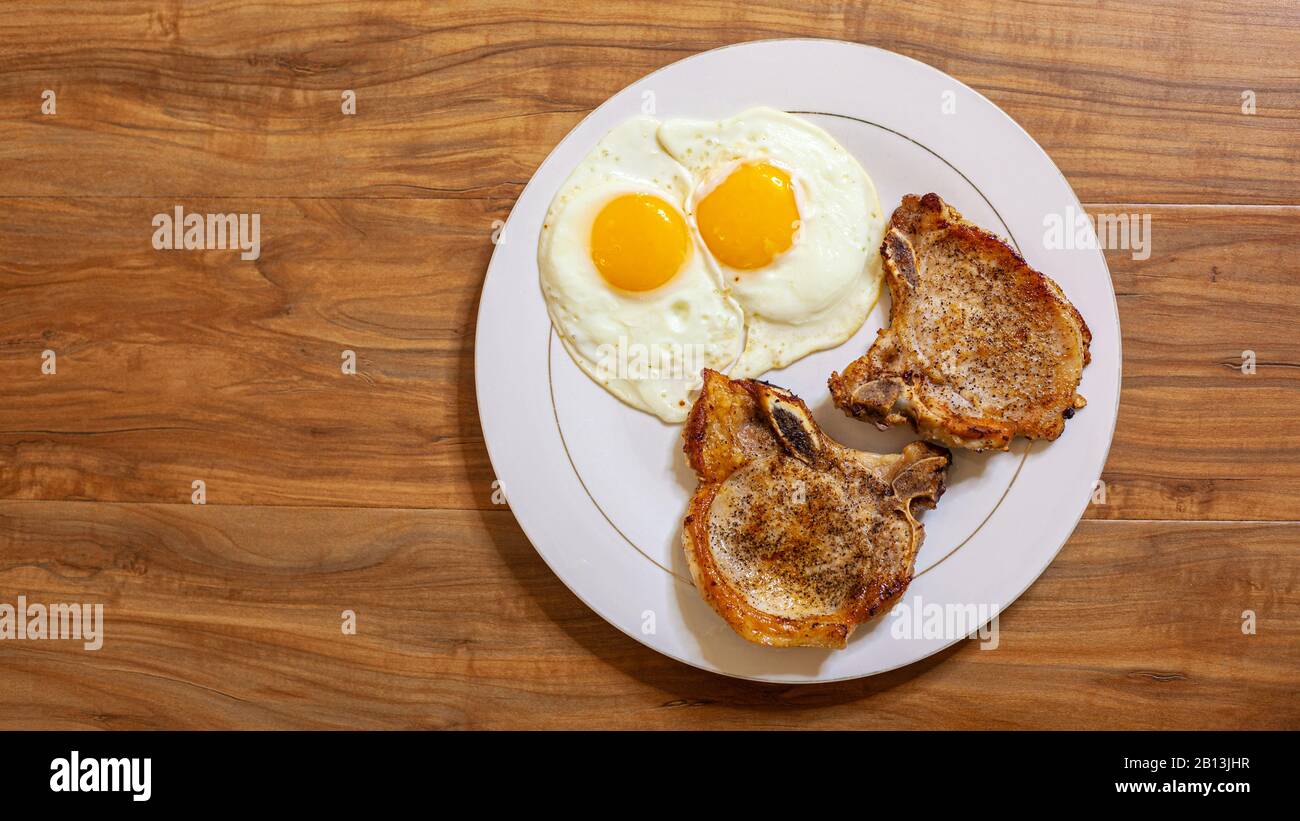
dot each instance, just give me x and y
(176, 366)
(1197, 438)
(230, 617)
(208, 98)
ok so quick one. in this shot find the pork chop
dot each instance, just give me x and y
(791, 537)
(980, 347)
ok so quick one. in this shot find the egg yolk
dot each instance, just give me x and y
(638, 242)
(750, 217)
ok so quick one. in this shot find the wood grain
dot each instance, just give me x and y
(258, 641)
(1141, 102)
(1198, 438)
(184, 365)
(372, 492)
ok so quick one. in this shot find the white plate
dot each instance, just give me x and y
(601, 489)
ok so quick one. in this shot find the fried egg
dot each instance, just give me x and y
(629, 292)
(793, 225)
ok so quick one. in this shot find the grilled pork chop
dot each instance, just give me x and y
(980, 347)
(791, 537)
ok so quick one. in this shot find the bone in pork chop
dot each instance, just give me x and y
(980, 347)
(791, 537)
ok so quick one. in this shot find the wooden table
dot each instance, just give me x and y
(372, 492)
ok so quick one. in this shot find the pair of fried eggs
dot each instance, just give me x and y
(740, 245)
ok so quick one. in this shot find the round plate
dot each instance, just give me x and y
(601, 489)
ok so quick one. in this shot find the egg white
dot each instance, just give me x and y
(818, 292)
(593, 317)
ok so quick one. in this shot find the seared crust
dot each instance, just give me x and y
(725, 429)
(980, 347)
(857, 517)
